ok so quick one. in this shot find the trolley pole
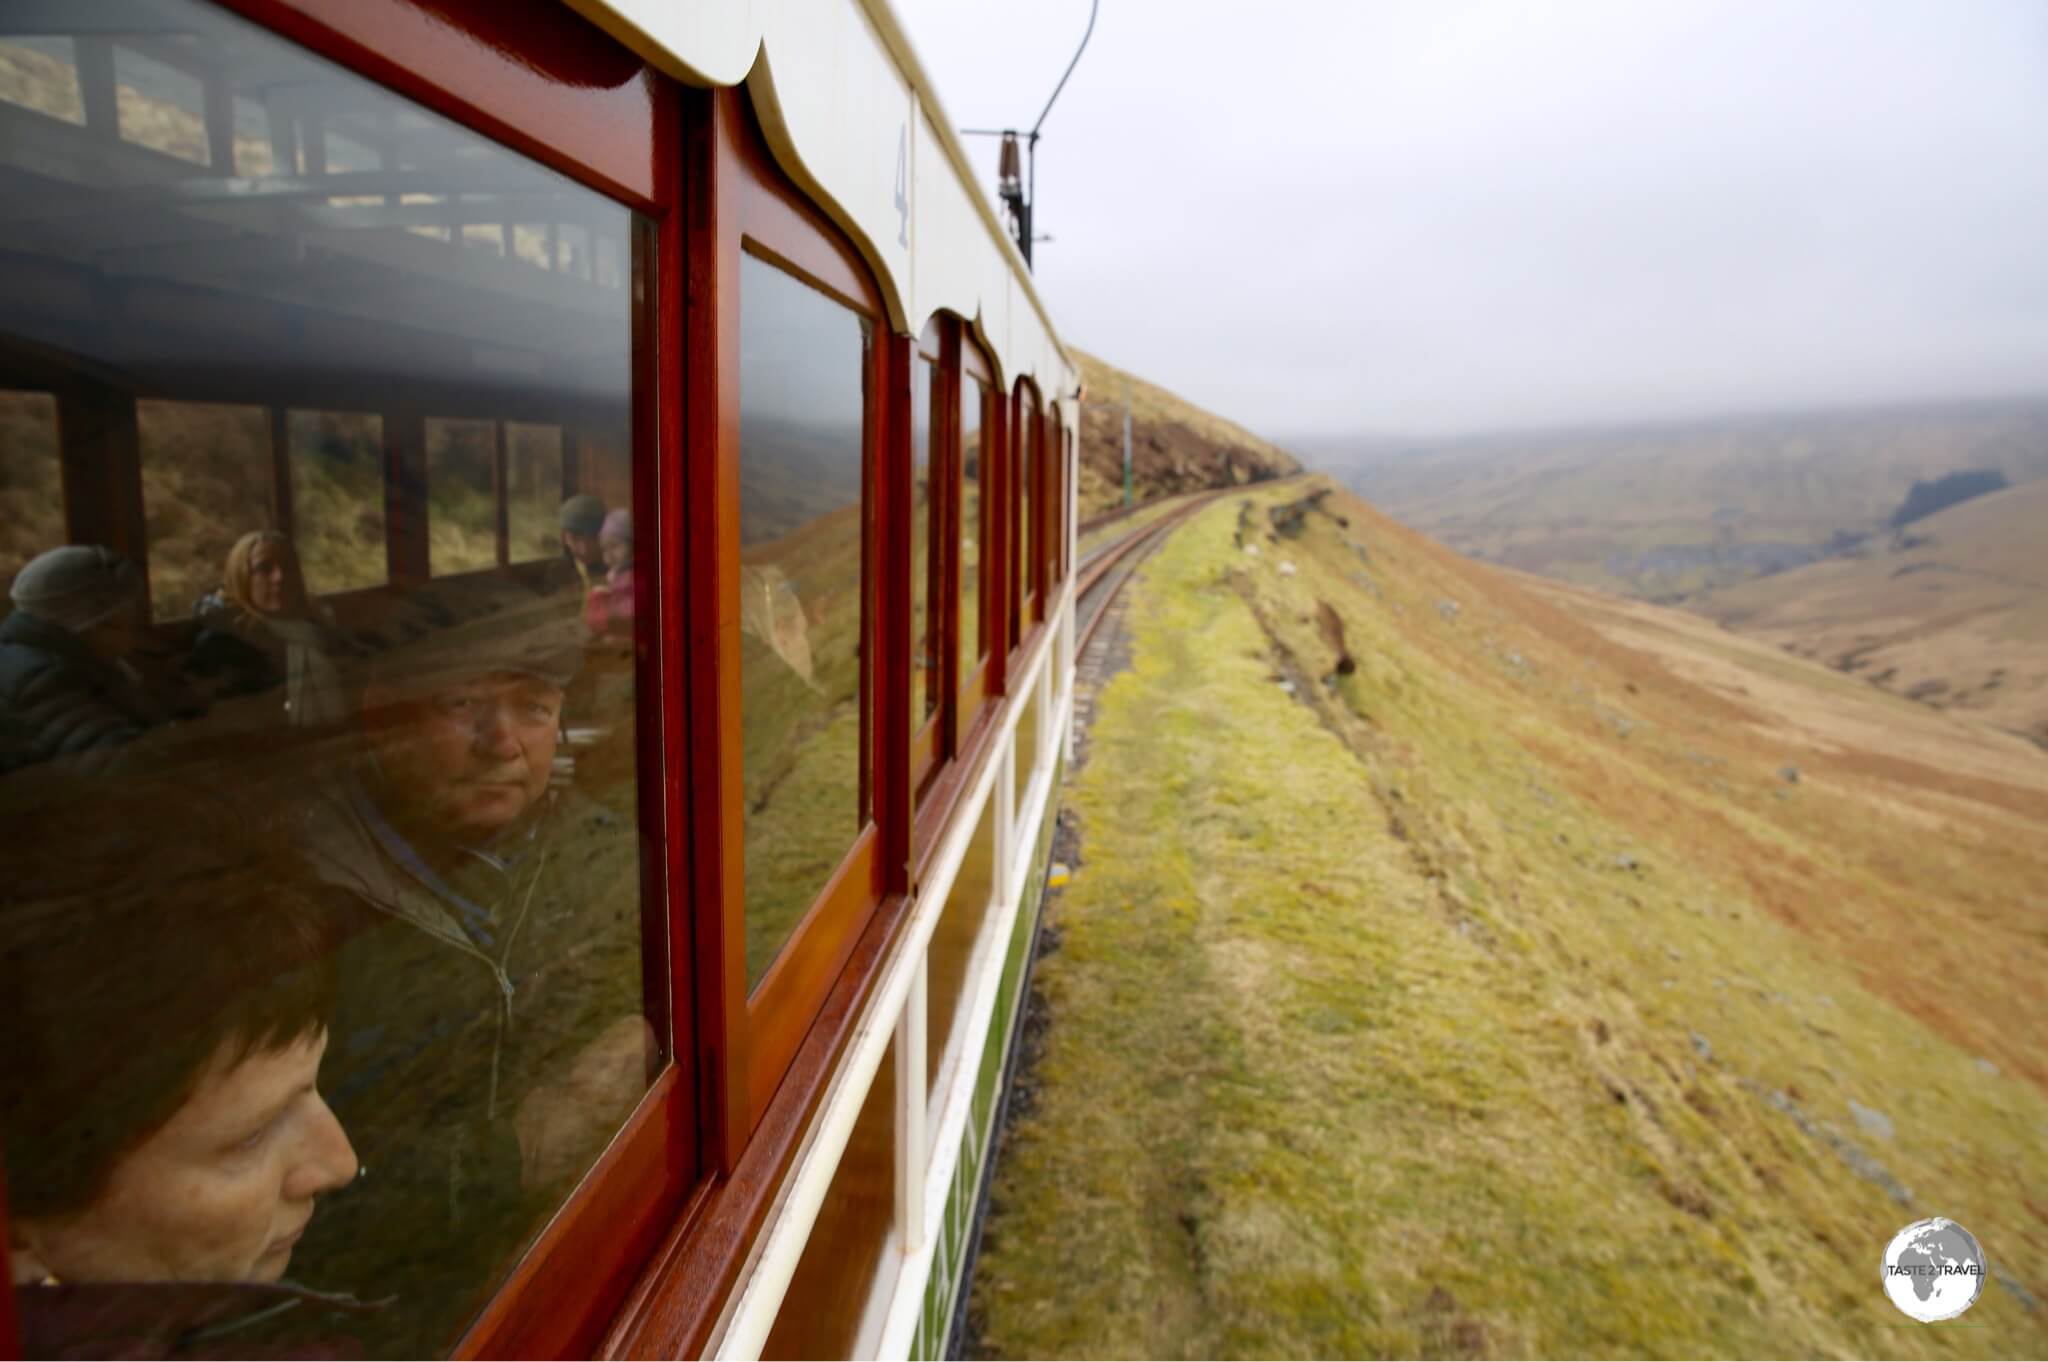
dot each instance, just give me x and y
(1127, 439)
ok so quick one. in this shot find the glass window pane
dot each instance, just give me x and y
(973, 614)
(31, 483)
(337, 461)
(462, 495)
(803, 365)
(205, 468)
(924, 655)
(42, 74)
(533, 490)
(1027, 476)
(373, 899)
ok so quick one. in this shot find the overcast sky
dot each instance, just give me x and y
(1435, 217)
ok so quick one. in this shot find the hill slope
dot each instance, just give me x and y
(1175, 445)
(1953, 612)
(1662, 511)
(1461, 964)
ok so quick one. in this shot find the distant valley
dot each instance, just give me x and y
(1951, 610)
(1780, 527)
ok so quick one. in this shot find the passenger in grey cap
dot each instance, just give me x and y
(67, 689)
(489, 1034)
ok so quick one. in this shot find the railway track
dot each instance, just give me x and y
(1106, 568)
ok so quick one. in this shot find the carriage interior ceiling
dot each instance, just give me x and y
(530, 714)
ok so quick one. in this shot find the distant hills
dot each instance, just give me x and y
(1903, 546)
(1661, 512)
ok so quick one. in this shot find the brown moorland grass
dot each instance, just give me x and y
(1954, 611)
(1496, 995)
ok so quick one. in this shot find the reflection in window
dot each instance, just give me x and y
(42, 74)
(924, 634)
(337, 463)
(973, 528)
(803, 361)
(255, 154)
(462, 495)
(31, 482)
(390, 838)
(533, 490)
(205, 469)
(1025, 551)
(159, 106)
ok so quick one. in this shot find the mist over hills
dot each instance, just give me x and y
(1878, 541)
(1662, 511)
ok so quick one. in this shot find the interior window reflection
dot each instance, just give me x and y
(321, 937)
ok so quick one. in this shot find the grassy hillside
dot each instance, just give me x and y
(1953, 611)
(1175, 445)
(1659, 512)
(1460, 964)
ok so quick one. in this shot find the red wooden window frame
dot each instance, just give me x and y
(766, 216)
(742, 202)
(550, 86)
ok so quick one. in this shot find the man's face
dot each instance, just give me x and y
(584, 548)
(473, 756)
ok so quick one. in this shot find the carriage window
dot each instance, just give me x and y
(803, 392)
(337, 460)
(255, 152)
(42, 74)
(533, 490)
(462, 495)
(974, 401)
(160, 106)
(31, 481)
(197, 455)
(321, 970)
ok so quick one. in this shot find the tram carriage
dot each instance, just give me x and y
(393, 282)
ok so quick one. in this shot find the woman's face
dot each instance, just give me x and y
(617, 552)
(223, 1190)
(266, 578)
